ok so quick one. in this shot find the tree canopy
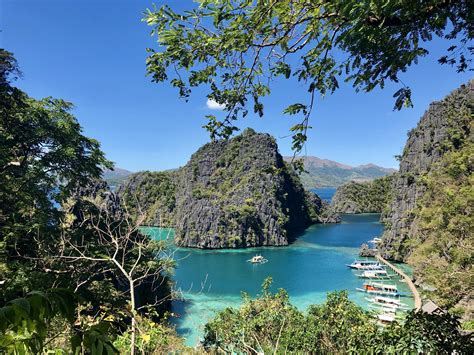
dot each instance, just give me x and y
(236, 49)
(270, 324)
(70, 256)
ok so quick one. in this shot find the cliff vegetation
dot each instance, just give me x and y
(363, 197)
(231, 194)
(430, 221)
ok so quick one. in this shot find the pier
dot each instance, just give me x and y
(408, 280)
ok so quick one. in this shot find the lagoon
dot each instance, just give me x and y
(308, 269)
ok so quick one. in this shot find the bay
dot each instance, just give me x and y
(315, 264)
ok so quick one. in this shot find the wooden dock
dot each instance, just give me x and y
(408, 280)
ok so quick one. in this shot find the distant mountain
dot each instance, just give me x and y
(115, 177)
(329, 173)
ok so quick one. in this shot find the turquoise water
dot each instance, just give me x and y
(315, 264)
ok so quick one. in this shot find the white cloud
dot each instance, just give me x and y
(211, 104)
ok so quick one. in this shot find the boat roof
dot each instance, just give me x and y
(383, 285)
(387, 317)
(391, 300)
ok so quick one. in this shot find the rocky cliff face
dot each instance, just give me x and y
(231, 194)
(426, 146)
(430, 221)
(363, 197)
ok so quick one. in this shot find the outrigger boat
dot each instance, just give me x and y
(257, 259)
(375, 240)
(365, 265)
(379, 289)
(375, 274)
(386, 301)
(386, 318)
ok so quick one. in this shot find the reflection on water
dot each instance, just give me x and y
(309, 268)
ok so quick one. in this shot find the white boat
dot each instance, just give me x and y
(365, 265)
(374, 274)
(257, 259)
(389, 310)
(386, 307)
(386, 300)
(375, 240)
(386, 318)
(379, 289)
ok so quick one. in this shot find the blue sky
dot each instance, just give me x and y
(92, 53)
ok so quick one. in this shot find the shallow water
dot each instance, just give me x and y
(313, 265)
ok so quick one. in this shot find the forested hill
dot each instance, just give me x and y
(363, 197)
(231, 194)
(430, 222)
(116, 176)
(329, 173)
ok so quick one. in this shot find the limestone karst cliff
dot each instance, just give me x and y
(430, 221)
(231, 194)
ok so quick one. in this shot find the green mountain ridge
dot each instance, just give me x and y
(329, 173)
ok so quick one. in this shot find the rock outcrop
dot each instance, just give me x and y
(426, 146)
(430, 219)
(231, 194)
(363, 197)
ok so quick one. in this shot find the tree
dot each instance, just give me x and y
(236, 49)
(25, 326)
(43, 157)
(270, 324)
(118, 249)
(60, 226)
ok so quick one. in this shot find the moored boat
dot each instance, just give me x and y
(386, 318)
(374, 274)
(257, 259)
(386, 300)
(365, 265)
(379, 289)
(375, 240)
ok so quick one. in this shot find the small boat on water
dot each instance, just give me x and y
(375, 240)
(386, 301)
(375, 274)
(257, 259)
(365, 265)
(386, 318)
(379, 289)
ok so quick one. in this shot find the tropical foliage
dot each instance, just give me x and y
(363, 197)
(60, 227)
(236, 48)
(270, 324)
(443, 252)
(28, 324)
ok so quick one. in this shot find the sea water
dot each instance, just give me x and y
(325, 193)
(315, 264)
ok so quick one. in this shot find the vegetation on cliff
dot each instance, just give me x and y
(430, 220)
(363, 197)
(234, 193)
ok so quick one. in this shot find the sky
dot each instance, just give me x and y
(92, 53)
